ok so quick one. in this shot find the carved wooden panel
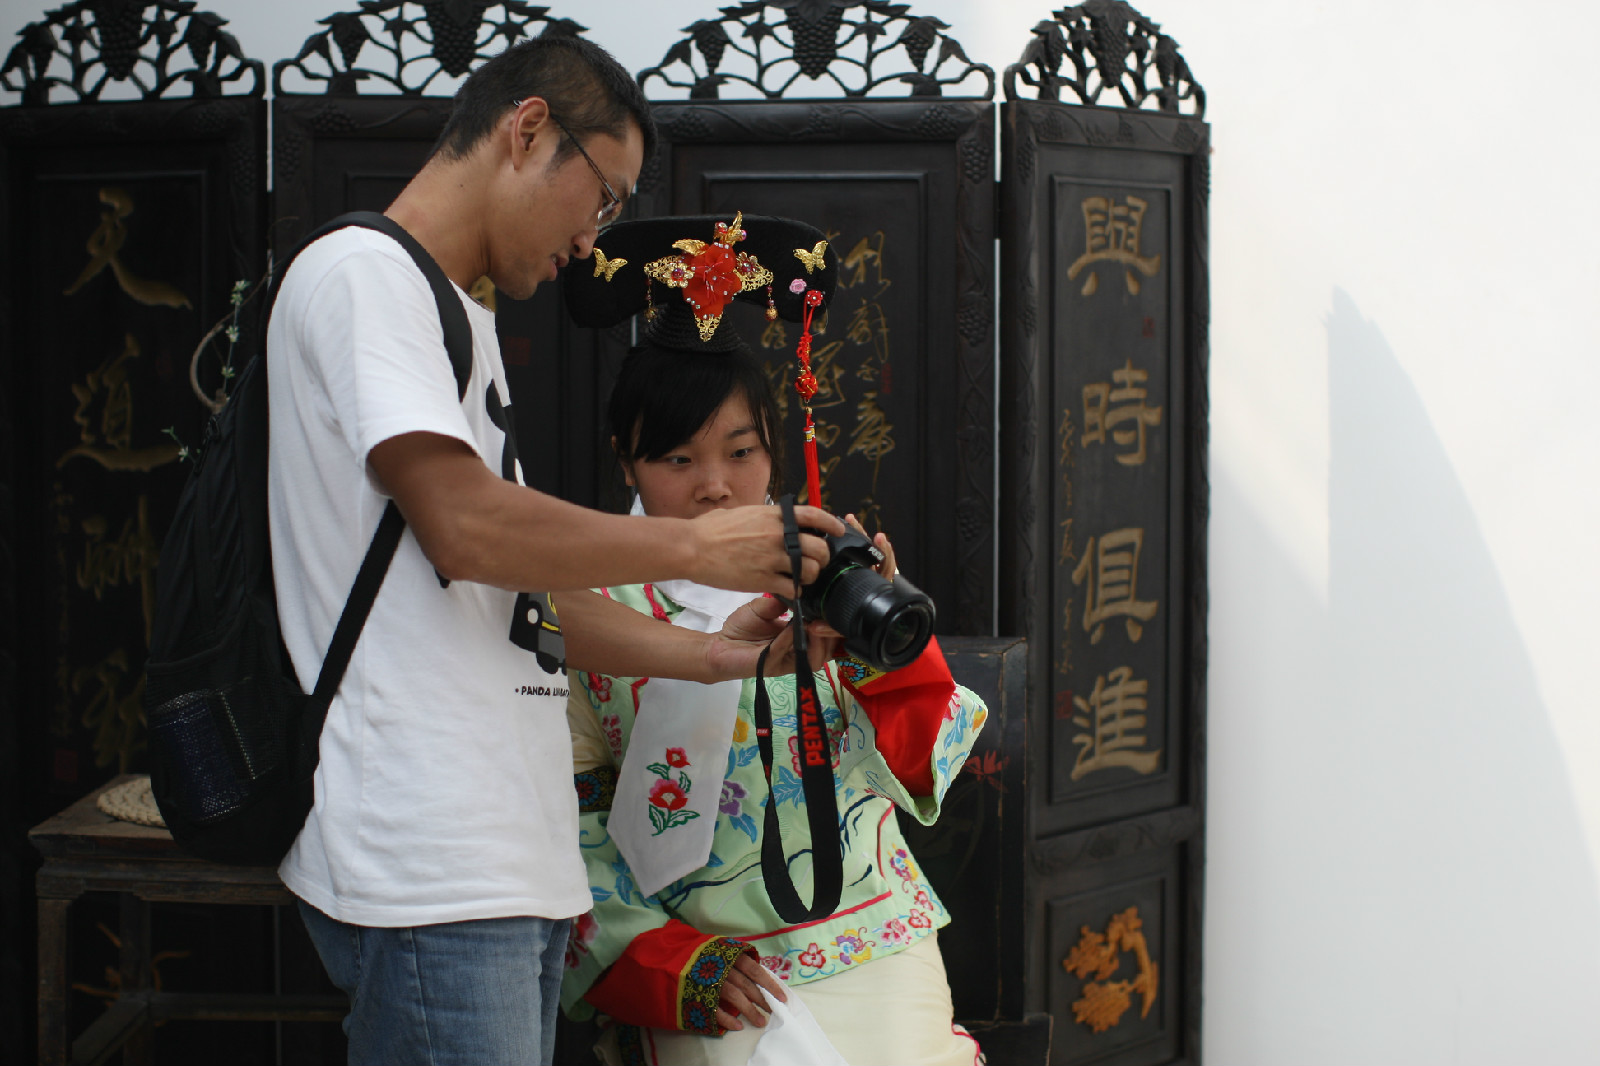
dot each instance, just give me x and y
(905, 414)
(1103, 464)
(1103, 374)
(1114, 966)
(125, 228)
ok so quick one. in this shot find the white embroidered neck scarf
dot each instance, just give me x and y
(665, 809)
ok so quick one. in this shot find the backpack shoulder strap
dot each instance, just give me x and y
(452, 316)
(457, 332)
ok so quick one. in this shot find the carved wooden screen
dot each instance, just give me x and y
(125, 227)
(904, 189)
(337, 151)
(1104, 313)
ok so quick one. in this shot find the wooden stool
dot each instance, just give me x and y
(86, 850)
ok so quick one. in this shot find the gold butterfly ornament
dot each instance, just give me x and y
(813, 259)
(607, 267)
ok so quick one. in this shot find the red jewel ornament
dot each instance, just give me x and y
(710, 275)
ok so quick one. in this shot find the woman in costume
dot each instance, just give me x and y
(670, 779)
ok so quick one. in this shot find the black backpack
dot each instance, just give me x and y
(233, 739)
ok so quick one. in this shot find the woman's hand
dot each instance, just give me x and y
(881, 541)
(739, 995)
(733, 651)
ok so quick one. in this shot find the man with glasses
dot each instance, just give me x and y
(439, 866)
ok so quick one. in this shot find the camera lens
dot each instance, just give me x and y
(900, 635)
(886, 624)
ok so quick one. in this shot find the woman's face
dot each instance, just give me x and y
(723, 465)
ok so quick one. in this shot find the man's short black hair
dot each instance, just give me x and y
(588, 92)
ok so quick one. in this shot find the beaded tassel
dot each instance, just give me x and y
(805, 383)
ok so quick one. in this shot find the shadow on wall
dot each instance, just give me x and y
(1471, 929)
(1398, 870)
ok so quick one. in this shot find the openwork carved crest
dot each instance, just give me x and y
(1110, 47)
(763, 47)
(143, 44)
(404, 46)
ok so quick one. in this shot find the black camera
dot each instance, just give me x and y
(886, 624)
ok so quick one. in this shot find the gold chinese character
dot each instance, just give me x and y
(868, 325)
(775, 336)
(873, 436)
(1099, 415)
(853, 265)
(109, 442)
(1114, 718)
(1067, 554)
(829, 374)
(116, 717)
(129, 559)
(105, 247)
(1112, 580)
(1103, 1002)
(870, 513)
(1112, 235)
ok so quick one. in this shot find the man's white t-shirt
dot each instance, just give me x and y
(444, 791)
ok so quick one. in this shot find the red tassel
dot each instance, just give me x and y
(813, 472)
(805, 383)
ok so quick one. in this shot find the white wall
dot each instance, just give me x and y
(1404, 753)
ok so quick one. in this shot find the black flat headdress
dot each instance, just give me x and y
(683, 270)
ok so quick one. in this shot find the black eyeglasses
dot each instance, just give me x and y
(613, 203)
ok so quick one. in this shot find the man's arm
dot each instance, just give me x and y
(608, 637)
(475, 526)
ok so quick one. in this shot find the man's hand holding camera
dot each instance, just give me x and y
(736, 548)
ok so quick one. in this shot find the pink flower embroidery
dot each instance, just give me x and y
(600, 685)
(612, 725)
(813, 957)
(894, 931)
(780, 965)
(668, 796)
(919, 920)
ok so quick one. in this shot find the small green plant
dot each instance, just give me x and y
(240, 295)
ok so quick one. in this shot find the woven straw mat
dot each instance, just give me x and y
(131, 801)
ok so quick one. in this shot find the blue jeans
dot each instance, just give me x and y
(456, 993)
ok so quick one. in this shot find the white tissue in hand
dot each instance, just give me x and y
(793, 1037)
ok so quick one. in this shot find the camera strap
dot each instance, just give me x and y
(816, 772)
